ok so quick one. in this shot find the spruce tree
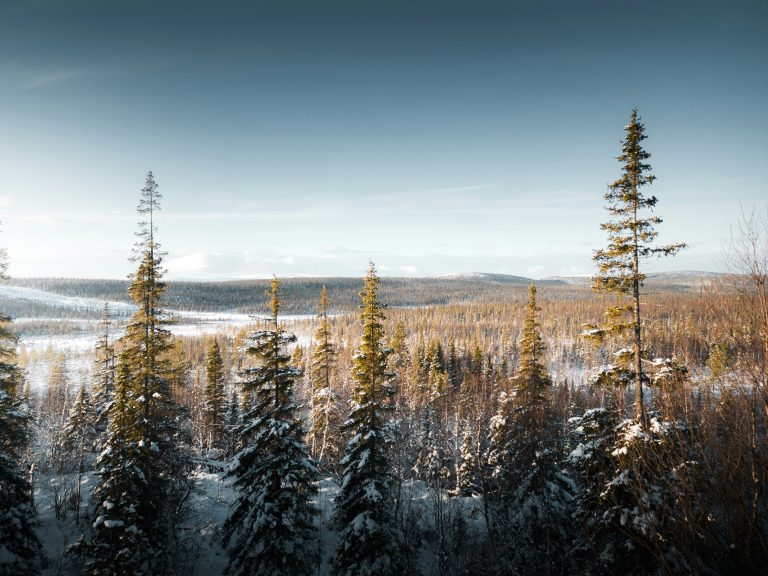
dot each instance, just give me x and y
(324, 416)
(79, 438)
(232, 420)
(20, 550)
(630, 240)
(122, 542)
(104, 373)
(369, 537)
(143, 469)
(532, 379)
(215, 398)
(273, 518)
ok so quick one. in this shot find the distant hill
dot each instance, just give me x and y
(82, 297)
(678, 280)
(300, 295)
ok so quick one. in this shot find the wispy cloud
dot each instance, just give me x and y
(27, 79)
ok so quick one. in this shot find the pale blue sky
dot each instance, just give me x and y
(303, 138)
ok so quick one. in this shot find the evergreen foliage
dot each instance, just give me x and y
(104, 373)
(142, 471)
(215, 406)
(369, 537)
(324, 415)
(273, 518)
(122, 501)
(20, 550)
(630, 239)
(79, 431)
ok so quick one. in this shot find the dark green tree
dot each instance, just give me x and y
(104, 373)
(631, 233)
(324, 415)
(145, 470)
(273, 518)
(215, 398)
(20, 550)
(122, 500)
(369, 537)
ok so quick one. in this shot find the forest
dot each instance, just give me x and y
(465, 425)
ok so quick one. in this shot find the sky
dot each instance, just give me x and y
(305, 138)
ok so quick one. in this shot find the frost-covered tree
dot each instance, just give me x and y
(79, 432)
(528, 494)
(324, 415)
(20, 550)
(232, 421)
(215, 406)
(467, 481)
(143, 473)
(631, 504)
(53, 413)
(369, 537)
(104, 373)
(79, 439)
(122, 500)
(272, 523)
(630, 240)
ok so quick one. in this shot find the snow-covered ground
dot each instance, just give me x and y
(26, 294)
(210, 505)
(78, 337)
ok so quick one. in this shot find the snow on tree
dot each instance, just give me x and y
(20, 550)
(214, 411)
(232, 421)
(79, 432)
(142, 471)
(324, 414)
(631, 496)
(272, 523)
(529, 497)
(630, 239)
(369, 537)
(104, 373)
(467, 481)
(122, 500)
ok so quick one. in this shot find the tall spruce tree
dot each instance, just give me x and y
(532, 379)
(104, 373)
(143, 476)
(215, 398)
(273, 518)
(324, 415)
(369, 539)
(630, 240)
(20, 550)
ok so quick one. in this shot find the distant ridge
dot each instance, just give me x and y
(85, 297)
(501, 278)
(677, 278)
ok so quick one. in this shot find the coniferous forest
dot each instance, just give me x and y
(462, 428)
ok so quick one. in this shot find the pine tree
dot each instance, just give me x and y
(20, 550)
(215, 398)
(143, 444)
(630, 239)
(369, 537)
(324, 416)
(272, 521)
(104, 373)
